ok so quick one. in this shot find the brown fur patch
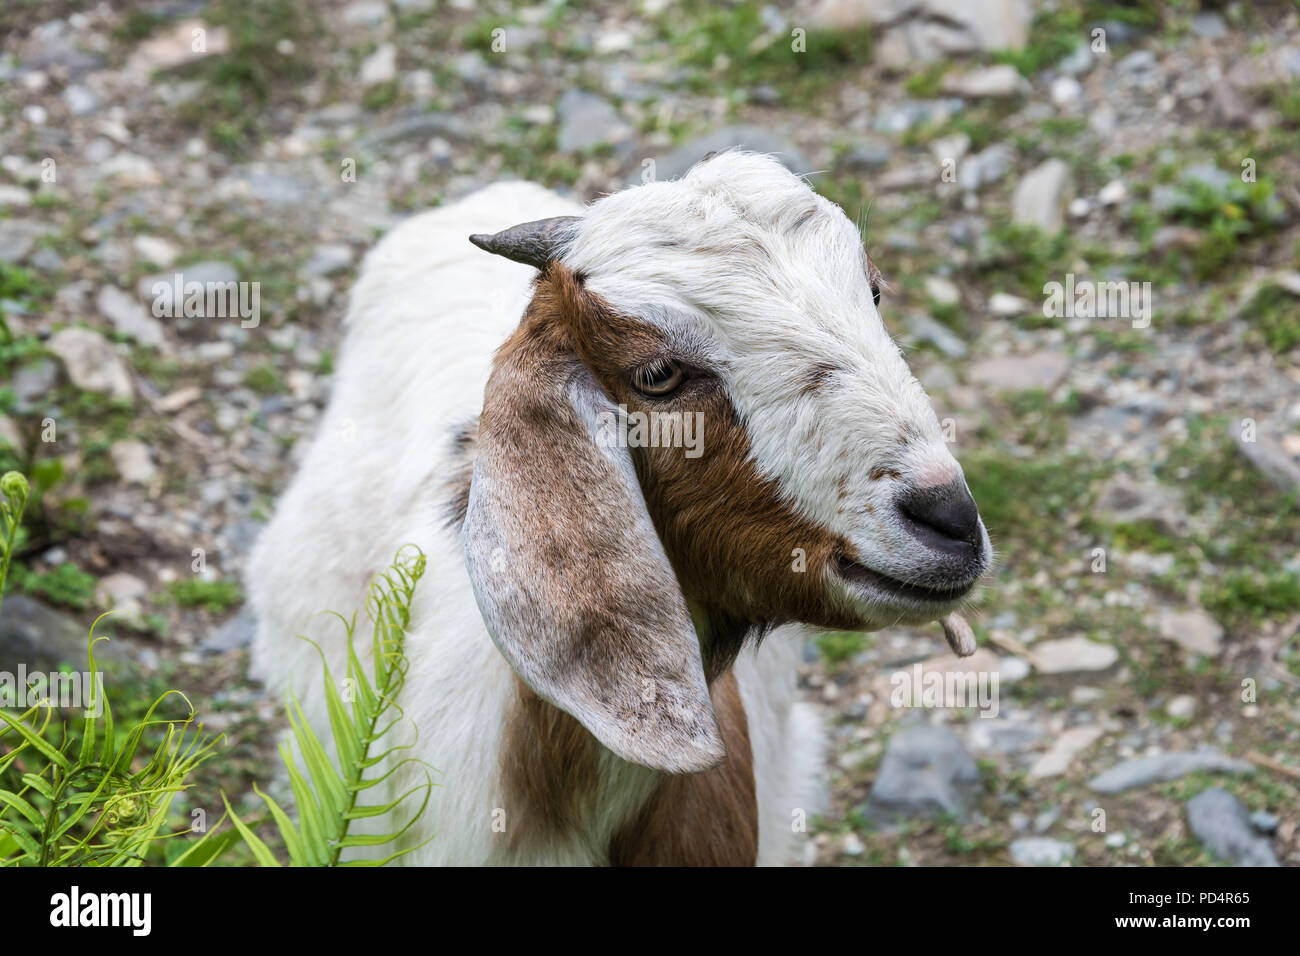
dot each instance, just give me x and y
(701, 819)
(548, 770)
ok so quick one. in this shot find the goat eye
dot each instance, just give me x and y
(658, 378)
(875, 294)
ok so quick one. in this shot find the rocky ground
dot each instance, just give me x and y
(1138, 473)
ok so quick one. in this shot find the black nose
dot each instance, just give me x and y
(944, 518)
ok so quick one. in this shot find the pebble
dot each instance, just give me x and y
(91, 363)
(328, 258)
(942, 291)
(1042, 195)
(1071, 654)
(133, 462)
(1067, 745)
(1015, 373)
(1007, 305)
(990, 82)
(128, 316)
(1041, 851)
(925, 771)
(1162, 767)
(588, 121)
(1194, 631)
(1222, 823)
(380, 66)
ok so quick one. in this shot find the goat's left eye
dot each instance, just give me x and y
(658, 378)
(875, 294)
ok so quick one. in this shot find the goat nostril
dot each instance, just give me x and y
(943, 517)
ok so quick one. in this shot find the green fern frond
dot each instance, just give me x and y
(327, 798)
(94, 806)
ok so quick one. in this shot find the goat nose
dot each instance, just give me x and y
(944, 517)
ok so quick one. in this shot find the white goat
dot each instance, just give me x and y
(584, 660)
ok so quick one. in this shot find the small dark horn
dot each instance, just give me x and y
(534, 244)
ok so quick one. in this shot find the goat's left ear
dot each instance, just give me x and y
(572, 580)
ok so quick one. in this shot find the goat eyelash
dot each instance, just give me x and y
(658, 378)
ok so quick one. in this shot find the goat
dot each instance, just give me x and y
(585, 668)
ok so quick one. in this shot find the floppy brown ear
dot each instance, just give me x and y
(570, 576)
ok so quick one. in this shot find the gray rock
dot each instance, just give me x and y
(471, 67)
(1194, 631)
(46, 260)
(366, 13)
(133, 462)
(1163, 767)
(1208, 175)
(925, 772)
(200, 272)
(992, 82)
(1042, 195)
(1003, 736)
(1069, 655)
(1263, 821)
(924, 31)
(1078, 62)
(865, 155)
(588, 121)
(12, 197)
(1139, 61)
(91, 362)
(1271, 460)
(128, 316)
(328, 258)
(900, 117)
(379, 67)
(235, 634)
(80, 100)
(18, 238)
(1127, 501)
(277, 189)
(1016, 373)
(987, 166)
(1208, 26)
(38, 636)
(420, 126)
(926, 329)
(11, 435)
(1222, 823)
(754, 138)
(116, 589)
(1041, 851)
(942, 290)
(33, 383)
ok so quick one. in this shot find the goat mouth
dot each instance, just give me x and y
(861, 574)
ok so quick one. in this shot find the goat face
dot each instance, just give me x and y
(806, 477)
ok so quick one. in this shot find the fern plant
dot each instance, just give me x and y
(96, 799)
(97, 806)
(86, 802)
(334, 799)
